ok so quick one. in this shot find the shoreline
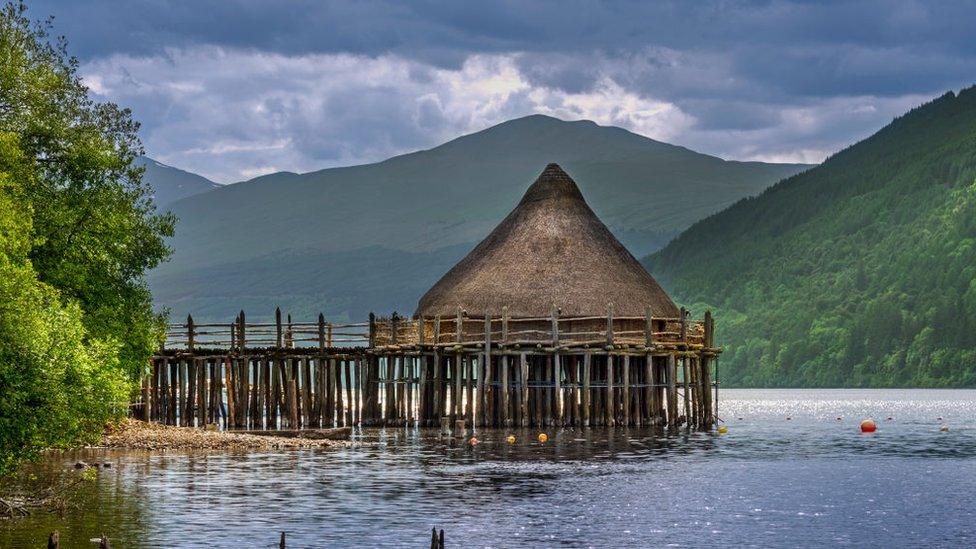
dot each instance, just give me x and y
(130, 434)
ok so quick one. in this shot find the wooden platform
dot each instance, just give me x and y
(492, 371)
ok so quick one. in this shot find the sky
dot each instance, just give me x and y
(236, 89)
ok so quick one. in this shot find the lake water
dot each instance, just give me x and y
(811, 480)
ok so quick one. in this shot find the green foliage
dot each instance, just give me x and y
(860, 272)
(77, 232)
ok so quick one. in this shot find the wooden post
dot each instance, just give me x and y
(687, 399)
(610, 408)
(506, 417)
(279, 340)
(625, 373)
(189, 333)
(181, 385)
(469, 389)
(202, 392)
(372, 330)
(556, 369)
(394, 328)
(289, 334)
(557, 392)
(440, 391)
(586, 390)
(306, 390)
(705, 376)
(484, 369)
(339, 409)
(672, 392)
(146, 405)
(349, 408)
(524, 375)
(242, 331)
(458, 325)
(293, 402)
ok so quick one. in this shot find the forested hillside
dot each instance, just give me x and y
(860, 272)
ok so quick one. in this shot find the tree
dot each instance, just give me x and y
(78, 231)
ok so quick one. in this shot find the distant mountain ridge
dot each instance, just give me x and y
(858, 272)
(436, 204)
(171, 184)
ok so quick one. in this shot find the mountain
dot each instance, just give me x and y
(375, 236)
(171, 184)
(859, 272)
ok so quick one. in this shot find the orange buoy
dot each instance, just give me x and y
(543, 437)
(473, 441)
(868, 426)
(511, 439)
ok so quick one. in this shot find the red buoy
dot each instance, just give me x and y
(868, 426)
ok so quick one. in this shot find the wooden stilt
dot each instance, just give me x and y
(524, 375)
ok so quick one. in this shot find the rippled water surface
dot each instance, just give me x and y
(810, 480)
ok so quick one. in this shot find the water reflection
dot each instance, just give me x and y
(771, 481)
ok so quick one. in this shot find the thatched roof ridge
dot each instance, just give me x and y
(550, 249)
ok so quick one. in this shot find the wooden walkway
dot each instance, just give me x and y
(491, 371)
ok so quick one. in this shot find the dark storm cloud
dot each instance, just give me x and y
(779, 80)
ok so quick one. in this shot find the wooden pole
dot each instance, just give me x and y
(524, 393)
(484, 369)
(279, 339)
(625, 373)
(586, 390)
(506, 411)
(610, 412)
(672, 392)
(687, 399)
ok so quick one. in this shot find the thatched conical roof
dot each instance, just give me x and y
(551, 248)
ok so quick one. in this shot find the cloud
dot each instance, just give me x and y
(230, 114)
(240, 86)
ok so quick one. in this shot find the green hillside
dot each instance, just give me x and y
(426, 208)
(170, 184)
(859, 272)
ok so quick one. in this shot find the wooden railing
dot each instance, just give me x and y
(554, 331)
